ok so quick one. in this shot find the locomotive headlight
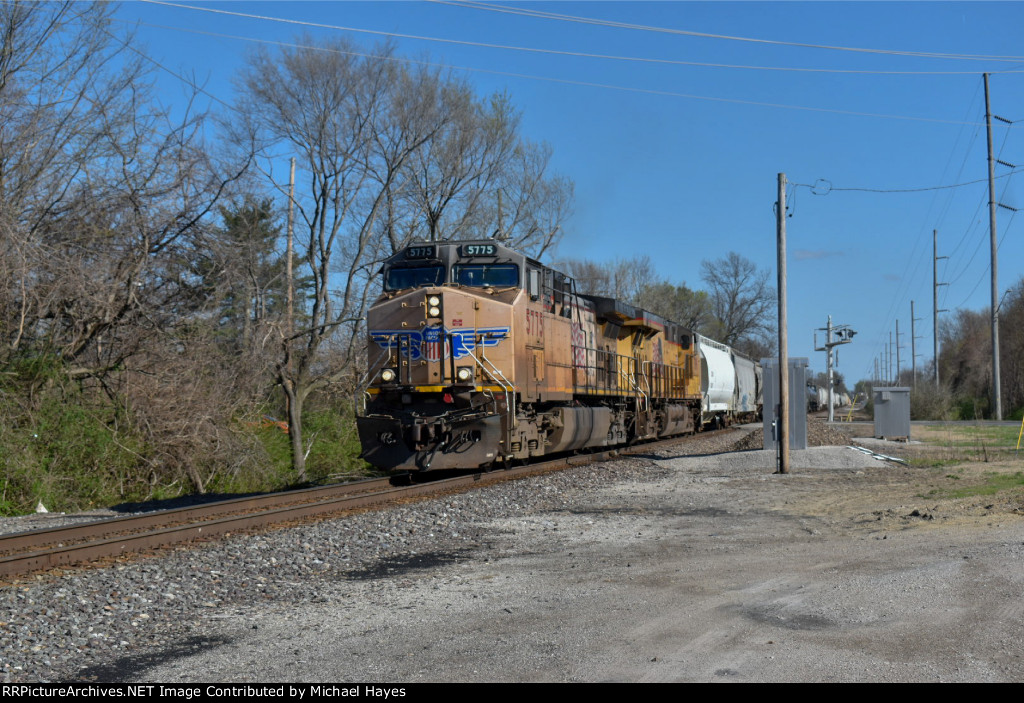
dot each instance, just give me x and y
(434, 306)
(387, 375)
(464, 373)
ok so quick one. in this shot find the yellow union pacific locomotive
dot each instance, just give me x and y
(479, 355)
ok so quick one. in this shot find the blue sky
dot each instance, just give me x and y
(675, 144)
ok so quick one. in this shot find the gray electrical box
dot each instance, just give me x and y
(892, 412)
(797, 402)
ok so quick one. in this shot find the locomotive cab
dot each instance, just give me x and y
(439, 393)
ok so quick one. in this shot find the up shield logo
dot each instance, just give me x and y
(436, 343)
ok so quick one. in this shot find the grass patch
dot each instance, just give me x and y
(993, 483)
(930, 462)
(335, 448)
(993, 436)
(967, 442)
(69, 455)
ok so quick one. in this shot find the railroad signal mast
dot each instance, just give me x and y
(843, 335)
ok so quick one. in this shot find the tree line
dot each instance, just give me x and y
(964, 391)
(156, 329)
(965, 361)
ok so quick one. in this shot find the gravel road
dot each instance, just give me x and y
(673, 566)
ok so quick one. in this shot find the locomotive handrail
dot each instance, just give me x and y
(405, 344)
(664, 380)
(646, 368)
(495, 373)
(365, 381)
(507, 385)
(642, 399)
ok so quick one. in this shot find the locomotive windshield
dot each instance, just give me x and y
(490, 275)
(399, 277)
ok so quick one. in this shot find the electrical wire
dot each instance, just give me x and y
(555, 52)
(902, 190)
(988, 268)
(971, 228)
(908, 283)
(127, 45)
(563, 81)
(666, 30)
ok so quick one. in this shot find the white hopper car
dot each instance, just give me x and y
(730, 384)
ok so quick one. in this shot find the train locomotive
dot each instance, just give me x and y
(479, 355)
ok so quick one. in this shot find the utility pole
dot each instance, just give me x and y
(997, 396)
(288, 263)
(935, 302)
(897, 379)
(913, 345)
(888, 373)
(780, 222)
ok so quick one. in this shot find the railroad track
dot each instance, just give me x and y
(39, 550)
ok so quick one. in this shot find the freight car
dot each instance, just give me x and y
(817, 398)
(479, 355)
(812, 398)
(730, 383)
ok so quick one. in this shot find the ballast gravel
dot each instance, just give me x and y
(71, 627)
(681, 564)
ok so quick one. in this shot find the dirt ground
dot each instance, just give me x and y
(708, 571)
(942, 460)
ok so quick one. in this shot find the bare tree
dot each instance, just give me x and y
(742, 300)
(690, 308)
(622, 279)
(1011, 346)
(965, 359)
(105, 204)
(454, 171)
(103, 198)
(354, 123)
(528, 204)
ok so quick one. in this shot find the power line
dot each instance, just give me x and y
(895, 190)
(908, 283)
(127, 45)
(987, 268)
(561, 81)
(972, 227)
(666, 30)
(555, 52)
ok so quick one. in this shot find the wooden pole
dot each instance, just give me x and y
(783, 340)
(997, 396)
(291, 234)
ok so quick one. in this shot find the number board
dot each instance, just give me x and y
(420, 253)
(478, 250)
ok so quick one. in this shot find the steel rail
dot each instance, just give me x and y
(104, 527)
(189, 531)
